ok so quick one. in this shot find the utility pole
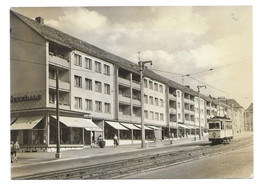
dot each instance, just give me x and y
(141, 65)
(203, 86)
(58, 154)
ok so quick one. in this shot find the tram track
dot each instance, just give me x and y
(124, 167)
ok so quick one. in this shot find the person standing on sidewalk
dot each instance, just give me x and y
(115, 141)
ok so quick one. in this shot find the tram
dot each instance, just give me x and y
(220, 130)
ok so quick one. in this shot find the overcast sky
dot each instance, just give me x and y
(182, 40)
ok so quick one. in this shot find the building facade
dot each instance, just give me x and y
(99, 93)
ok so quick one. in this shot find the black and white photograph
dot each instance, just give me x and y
(131, 92)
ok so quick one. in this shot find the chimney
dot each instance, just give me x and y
(39, 20)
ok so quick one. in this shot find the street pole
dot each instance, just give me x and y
(141, 65)
(58, 154)
(199, 109)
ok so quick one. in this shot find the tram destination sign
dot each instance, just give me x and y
(25, 98)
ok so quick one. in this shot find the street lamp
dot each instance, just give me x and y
(141, 65)
(202, 86)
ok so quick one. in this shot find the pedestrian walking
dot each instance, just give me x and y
(115, 141)
(16, 148)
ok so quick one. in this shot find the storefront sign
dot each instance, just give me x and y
(25, 98)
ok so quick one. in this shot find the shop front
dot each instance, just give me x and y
(39, 133)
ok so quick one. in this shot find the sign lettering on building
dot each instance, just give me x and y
(25, 98)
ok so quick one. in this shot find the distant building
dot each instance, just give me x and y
(249, 118)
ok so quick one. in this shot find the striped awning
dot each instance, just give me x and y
(130, 126)
(183, 126)
(145, 127)
(153, 127)
(79, 123)
(26, 123)
(116, 125)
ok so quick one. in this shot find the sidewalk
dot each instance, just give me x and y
(31, 158)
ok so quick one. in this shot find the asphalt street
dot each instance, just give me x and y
(233, 164)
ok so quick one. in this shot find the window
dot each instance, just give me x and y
(179, 105)
(107, 108)
(98, 67)
(89, 104)
(145, 83)
(151, 100)
(156, 86)
(106, 70)
(151, 115)
(88, 63)
(52, 74)
(52, 97)
(156, 100)
(161, 103)
(88, 84)
(161, 88)
(178, 93)
(77, 60)
(146, 114)
(98, 106)
(77, 81)
(151, 85)
(98, 86)
(179, 116)
(156, 116)
(78, 102)
(107, 89)
(146, 99)
(161, 117)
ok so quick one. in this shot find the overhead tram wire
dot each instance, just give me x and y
(188, 75)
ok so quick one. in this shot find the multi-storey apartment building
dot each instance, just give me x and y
(99, 93)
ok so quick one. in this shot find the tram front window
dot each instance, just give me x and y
(213, 125)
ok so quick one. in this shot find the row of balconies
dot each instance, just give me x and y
(126, 82)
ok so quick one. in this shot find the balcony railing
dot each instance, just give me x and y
(62, 106)
(62, 85)
(172, 97)
(136, 84)
(124, 81)
(172, 110)
(136, 102)
(58, 61)
(124, 117)
(124, 98)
